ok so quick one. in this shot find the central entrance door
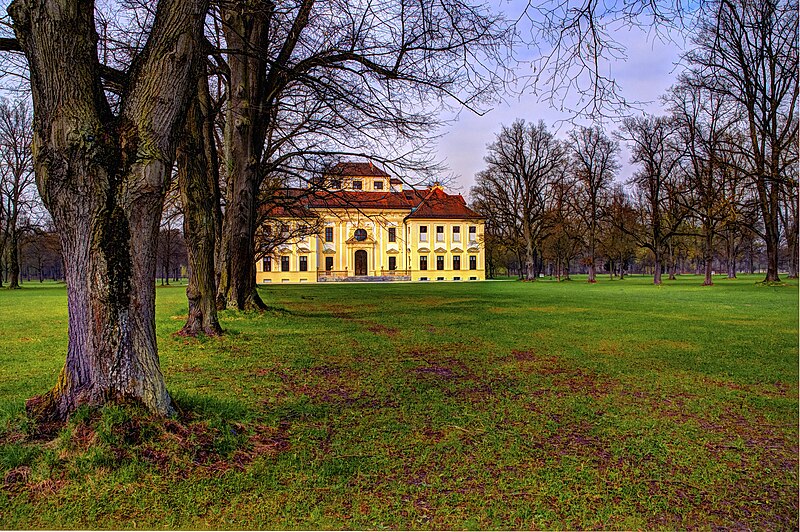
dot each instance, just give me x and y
(361, 262)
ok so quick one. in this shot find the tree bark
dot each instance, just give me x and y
(13, 258)
(103, 179)
(708, 257)
(730, 248)
(246, 32)
(671, 261)
(198, 178)
(657, 267)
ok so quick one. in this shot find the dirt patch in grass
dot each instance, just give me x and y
(347, 314)
(436, 371)
(378, 328)
(564, 379)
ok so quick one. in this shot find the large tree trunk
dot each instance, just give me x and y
(198, 177)
(103, 179)
(13, 257)
(657, 267)
(246, 32)
(768, 196)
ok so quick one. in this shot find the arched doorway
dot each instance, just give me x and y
(361, 262)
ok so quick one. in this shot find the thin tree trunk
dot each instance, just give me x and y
(198, 178)
(13, 258)
(708, 257)
(671, 261)
(730, 248)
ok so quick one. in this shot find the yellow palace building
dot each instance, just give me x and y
(364, 227)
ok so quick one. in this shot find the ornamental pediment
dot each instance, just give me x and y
(362, 236)
(473, 248)
(457, 249)
(423, 249)
(393, 251)
(440, 249)
(328, 248)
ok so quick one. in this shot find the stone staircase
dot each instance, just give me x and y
(364, 279)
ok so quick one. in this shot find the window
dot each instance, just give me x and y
(473, 233)
(356, 185)
(378, 185)
(328, 264)
(284, 230)
(440, 233)
(303, 264)
(456, 262)
(336, 183)
(473, 262)
(423, 263)
(392, 263)
(284, 264)
(440, 262)
(329, 234)
(392, 234)
(423, 233)
(360, 235)
(456, 233)
(266, 264)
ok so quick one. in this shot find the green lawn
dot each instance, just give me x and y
(486, 405)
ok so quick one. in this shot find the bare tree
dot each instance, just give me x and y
(379, 71)
(594, 165)
(521, 164)
(198, 181)
(16, 177)
(563, 238)
(702, 117)
(102, 172)
(650, 139)
(618, 245)
(747, 50)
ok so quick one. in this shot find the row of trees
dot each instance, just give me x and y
(715, 175)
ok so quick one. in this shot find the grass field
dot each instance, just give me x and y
(486, 405)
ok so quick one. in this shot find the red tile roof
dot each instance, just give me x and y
(438, 204)
(431, 203)
(351, 169)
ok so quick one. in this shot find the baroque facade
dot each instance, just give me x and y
(363, 226)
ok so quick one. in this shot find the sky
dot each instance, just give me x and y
(650, 69)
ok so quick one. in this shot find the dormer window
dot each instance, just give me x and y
(336, 183)
(378, 185)
(357, 185)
